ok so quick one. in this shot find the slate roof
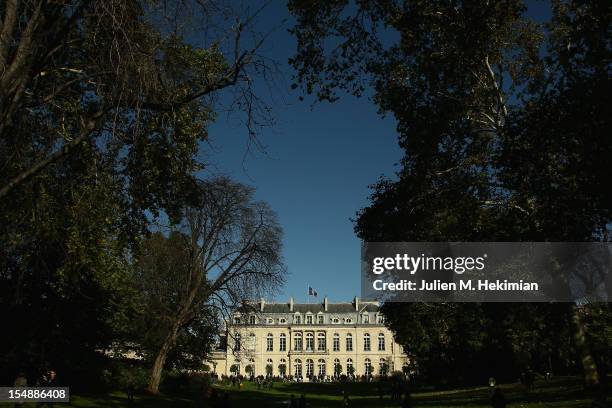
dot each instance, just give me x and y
(318, 307)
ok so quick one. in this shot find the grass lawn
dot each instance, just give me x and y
(560, 392)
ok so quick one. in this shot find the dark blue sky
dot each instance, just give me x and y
(314, 171)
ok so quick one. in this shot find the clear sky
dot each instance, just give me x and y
(314, 172)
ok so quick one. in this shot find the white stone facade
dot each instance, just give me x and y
(309, 340)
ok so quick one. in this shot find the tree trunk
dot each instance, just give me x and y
(160, 359)
(589, 366)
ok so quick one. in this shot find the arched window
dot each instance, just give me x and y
(336, 342)
(350, 370)
(335, 320)
(282, 320)
(309, 342)
(269, 342)
(282, 342)
(298, 342)
(349, 342)
(321, 342)
(282, 367)
(337, 368)
(348, 320)
(309, 368)
(250, 369)
(297, 367)
(366, 342)
(321, 367)
(368, 367)
(383, 367)
(381, 342)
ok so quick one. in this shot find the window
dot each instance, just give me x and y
(269, 342)
(297, 367)
(368, 367)
(297, 319)
(321, 342)
(365, 318)
(282, 367)
(269, 368)
(380, 319)
(348, 321)
(252, 319)
(237, 342)
(309, 342)
(309, 368)
(381, 342)
(282, 320)
(309, 319)
(298, 342)
(349, 366)
(383, 367)
(250, 368)
(335, 320)
(336, 342)
(237, 320)
(321, 366)
(320, 319)
(349, 342)
(282, 342)
(366, 342)
(252, 342)
(269, 320)
(337, 368)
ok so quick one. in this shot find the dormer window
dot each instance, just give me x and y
(251, 319)
(320, 319)
(348, 320)
(365, 318)
(380, 319)
(236, 319)
(309, 319)
(269, 320)
(282, 320)
(335, 320)
(297, 319)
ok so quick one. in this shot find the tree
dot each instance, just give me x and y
(269, 370)
(282, 369)
(503, 121)
(226, 250)
(103, 108)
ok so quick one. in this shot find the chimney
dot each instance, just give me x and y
(262, 302)
(291, 304)
(325, 303)
(356, 304)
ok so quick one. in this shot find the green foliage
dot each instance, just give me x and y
(504, 122)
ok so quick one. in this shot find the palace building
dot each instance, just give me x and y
(320, 340)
